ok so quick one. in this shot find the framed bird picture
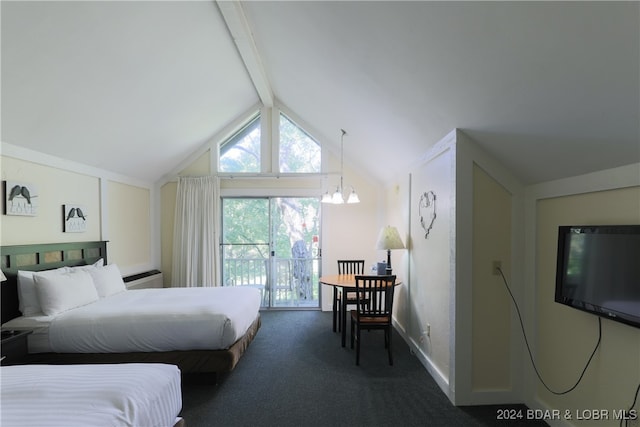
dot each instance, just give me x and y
(21, 198)
(74, 219)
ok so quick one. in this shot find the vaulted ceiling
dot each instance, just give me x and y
(550, 89)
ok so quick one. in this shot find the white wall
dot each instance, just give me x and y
(52, 188)
(128, 210)
(518, 226)
(502, 241)
(118, 207)
(431, 258)
(448, 283)
(563, 338)
(491, 307)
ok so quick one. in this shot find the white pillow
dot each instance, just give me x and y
(61, 292)
(28, 303)
(98, 263)
(107, 280)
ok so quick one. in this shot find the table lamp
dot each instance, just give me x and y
(389, 239)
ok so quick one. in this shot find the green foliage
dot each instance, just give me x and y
(246, 234)
(241, 153)
(298, 151)
(295, 219)
(245, 221)
(245, 226)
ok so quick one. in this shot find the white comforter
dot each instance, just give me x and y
(152, 320)
(130, 394)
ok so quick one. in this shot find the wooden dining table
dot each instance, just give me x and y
(348, 283)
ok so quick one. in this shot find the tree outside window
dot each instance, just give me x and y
(241, 152)
(299, 152)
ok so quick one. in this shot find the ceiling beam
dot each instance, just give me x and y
(238, 26)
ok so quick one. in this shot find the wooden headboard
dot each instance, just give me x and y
(41, 257)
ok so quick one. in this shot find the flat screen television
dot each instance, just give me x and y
(598, 270)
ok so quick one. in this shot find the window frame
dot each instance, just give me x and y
(269, 143)
(245, 129)
(282, 115)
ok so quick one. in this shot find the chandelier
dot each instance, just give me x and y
(339, 196)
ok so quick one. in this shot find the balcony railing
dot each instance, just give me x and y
(293, 284)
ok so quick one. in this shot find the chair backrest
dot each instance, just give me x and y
(374, 296)
(350, 266)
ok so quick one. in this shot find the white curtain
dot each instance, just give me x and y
(195, 248)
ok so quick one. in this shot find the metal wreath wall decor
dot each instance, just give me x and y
(427, 211)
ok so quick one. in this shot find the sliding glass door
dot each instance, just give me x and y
(272, 243)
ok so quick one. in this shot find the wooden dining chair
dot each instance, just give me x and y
(375, 312)
(345, 266)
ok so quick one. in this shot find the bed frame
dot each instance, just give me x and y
(55, 255)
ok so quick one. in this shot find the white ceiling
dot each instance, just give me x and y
(550, 89)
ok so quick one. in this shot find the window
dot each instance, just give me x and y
(299, 152)
(241, 152)
(271, 243)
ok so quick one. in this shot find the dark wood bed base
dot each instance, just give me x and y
(190, 362)
(55, 255)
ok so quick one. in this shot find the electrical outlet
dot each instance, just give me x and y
(425, 333)
(496, 267)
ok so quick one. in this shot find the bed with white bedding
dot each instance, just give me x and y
(81, 312)
(147, 320)
(128, 394)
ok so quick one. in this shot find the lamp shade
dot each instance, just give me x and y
(389, 238)
(2, 276)
(337, 198)
(353, 197)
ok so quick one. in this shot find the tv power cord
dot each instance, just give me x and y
(635, 399)
(526, 341)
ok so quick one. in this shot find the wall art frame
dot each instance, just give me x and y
(74, 218)
(20, 198)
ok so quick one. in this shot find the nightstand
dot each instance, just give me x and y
(14, 347)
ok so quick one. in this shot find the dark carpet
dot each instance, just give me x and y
(295, 373)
